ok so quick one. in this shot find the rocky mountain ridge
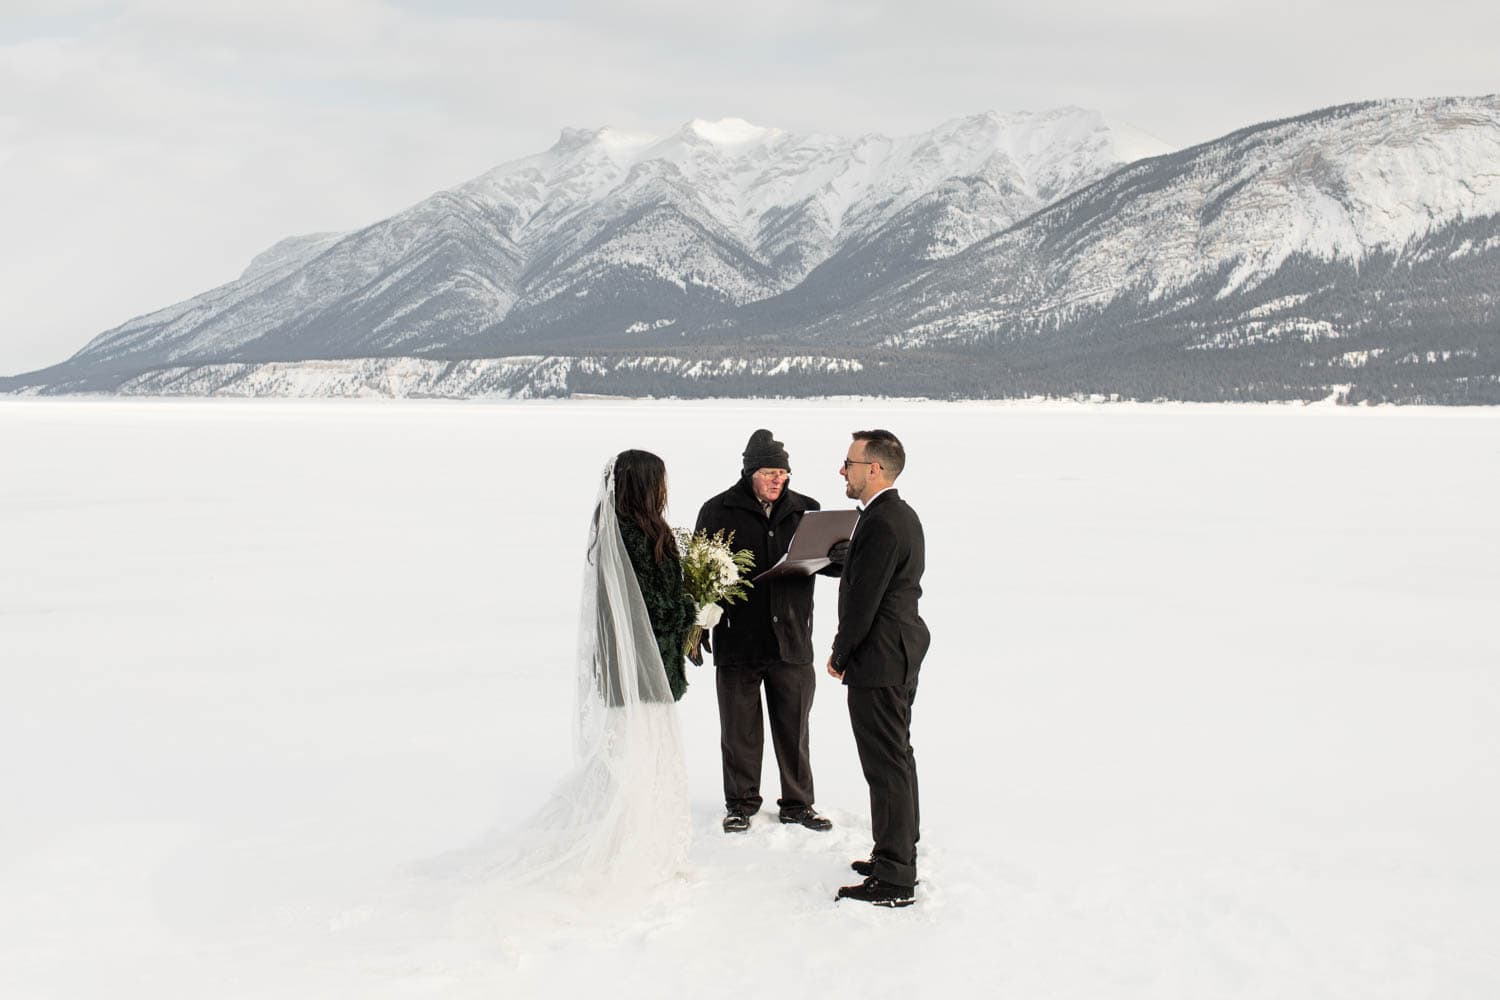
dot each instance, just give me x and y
(993, 256)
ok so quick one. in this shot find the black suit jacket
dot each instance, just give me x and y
(774, 622)
(881, 639)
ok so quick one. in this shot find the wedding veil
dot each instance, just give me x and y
(621, 817)
(620, 664)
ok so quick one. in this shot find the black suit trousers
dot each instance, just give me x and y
(789, 689)
(881, 720)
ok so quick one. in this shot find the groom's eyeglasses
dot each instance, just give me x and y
(849, 461)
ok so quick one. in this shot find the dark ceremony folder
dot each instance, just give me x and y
(819, 531)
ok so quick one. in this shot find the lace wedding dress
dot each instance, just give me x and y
(615, 830)
(621, 817)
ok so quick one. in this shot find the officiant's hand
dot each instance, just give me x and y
(839, 553)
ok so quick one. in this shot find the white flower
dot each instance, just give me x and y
(725, 571)
(711, 574)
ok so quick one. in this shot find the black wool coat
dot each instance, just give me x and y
(774, 622)
(671, 610)
(882, 640)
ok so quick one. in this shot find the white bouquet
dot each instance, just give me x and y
(713, 574)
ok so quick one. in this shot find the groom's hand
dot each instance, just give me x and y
(832, 672)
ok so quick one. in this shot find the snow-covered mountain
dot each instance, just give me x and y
(1273, 262)
(1342, 185)
(1351, 251)
(608, 233)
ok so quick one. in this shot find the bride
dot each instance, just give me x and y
(618, 824)
(621, 817)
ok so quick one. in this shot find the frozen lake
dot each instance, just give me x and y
(1212, 708)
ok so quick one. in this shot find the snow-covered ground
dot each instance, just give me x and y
(1212, 708)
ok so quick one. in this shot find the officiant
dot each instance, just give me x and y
(765, 642)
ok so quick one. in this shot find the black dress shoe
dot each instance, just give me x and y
(808, 817)
(872, 890)
(736, 822)
(867, 868)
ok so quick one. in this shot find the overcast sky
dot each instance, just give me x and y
(149, 149)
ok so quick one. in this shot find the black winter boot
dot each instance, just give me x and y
(878, 893)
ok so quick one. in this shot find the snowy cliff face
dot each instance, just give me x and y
(523, 377)
(608, 230)
(1216, 221)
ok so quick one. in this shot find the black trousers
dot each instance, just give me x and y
(881, 719)
(789, 696)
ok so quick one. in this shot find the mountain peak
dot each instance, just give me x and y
(609, 137)
(727, 131)
(573, 138)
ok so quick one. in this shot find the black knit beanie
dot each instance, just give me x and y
(765, 452)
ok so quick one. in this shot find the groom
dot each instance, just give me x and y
(878, 653)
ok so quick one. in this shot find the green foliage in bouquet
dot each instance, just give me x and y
(713, 574)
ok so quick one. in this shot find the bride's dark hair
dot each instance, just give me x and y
(641, 497)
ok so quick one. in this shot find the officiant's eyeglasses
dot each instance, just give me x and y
(773, 474)
(849, 461)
